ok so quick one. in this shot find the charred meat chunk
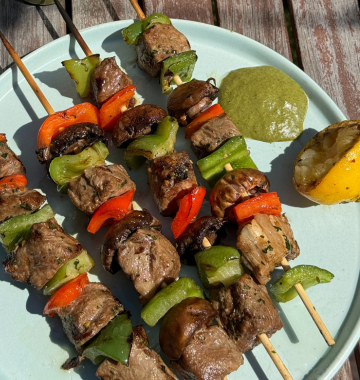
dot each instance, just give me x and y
(120, 232)
(72, 140)
(135, 122)
(171, 178)
(158, 43)
(191, 240)
(91, 311)
(150, 260)
(98, 184)
(108, 79)
(264, 242)
(212, 135)
(235, 187)
(144, 363)
(191, 98)
(246, 310)
(16, 202)
(210, 355)
(36, 260)
(9, 161)
(181, 323)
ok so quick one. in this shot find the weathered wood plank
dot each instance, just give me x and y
(344, 372)
(86, 13)
(198, 10)
(261, 20)
(28, 27)
(327, 33)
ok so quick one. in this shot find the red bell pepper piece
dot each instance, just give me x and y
(56, 123)
(189, 207)
(3, 137)
(196, 124)
(13, 181)
(268, 203)
(110, 111)
(66, 294)
(111, 211)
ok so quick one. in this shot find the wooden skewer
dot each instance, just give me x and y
(304, 297)
(27, 75)
(73, 29)
(266, 341)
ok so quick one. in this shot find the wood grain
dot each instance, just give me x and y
(344, 372)
(261, 20)
(357, 358)
(328, 42)
(28, 27)
(86, 13)
(195, 10)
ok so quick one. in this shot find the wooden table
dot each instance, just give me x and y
(326, 35)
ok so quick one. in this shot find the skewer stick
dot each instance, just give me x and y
(73, 29)
(141, 16)
(264, 340)
(27, 75)
(304, 297)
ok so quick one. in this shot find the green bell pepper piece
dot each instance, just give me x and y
(149, 147)
(80, 70)
(132, 33)
(65, 168)
(233, 151)
(80, 264)
(113, 341)
(181, 64)
(16, 229)
(284, 290)
(168, 297)
(219, 264)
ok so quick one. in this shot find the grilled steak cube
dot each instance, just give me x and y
(212, 135)
(9, 161)
(16, 202)
(90, 312)
(38, 259)
(144, 363)
(246, 310)
(136, 122)
(72, 140)
(108, 79)
(158, 43)
(98, 184)
(264, 243)
(191, 98)
(211, 355)
(171, 178)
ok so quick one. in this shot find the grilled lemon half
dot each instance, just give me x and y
(327, 170)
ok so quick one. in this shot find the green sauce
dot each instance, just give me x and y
(264, 103)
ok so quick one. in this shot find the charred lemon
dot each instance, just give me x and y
(327, 170)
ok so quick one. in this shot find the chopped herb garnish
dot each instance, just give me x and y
(274, 352)
(59, 261)
(268, 248)
(262, 236)
(76, 263)
(123, 183)
(4, 155)
(247, 287)
(84, 187)
(287, 243)
(25, 206)
(262, 263)
(232, 176)
(163, 368)
(277, 228)
(95, 193)
(52, 226)
(69, 249)
(261, 300)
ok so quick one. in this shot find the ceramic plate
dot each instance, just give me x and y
(34, 347)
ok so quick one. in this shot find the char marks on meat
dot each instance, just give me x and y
(121, 231)
(108, 79)
(235, 187)
(212, 135)
(191, 98)
(90, 312)
(9, 162)
(211, 355)
(144, 363)
(171, 178)
(37, 259)
(264, 242)
(246, 310)
(98, 184)
(158, 43)
(16, 202)
(191, 240)
(135, 122)
(72, 140)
